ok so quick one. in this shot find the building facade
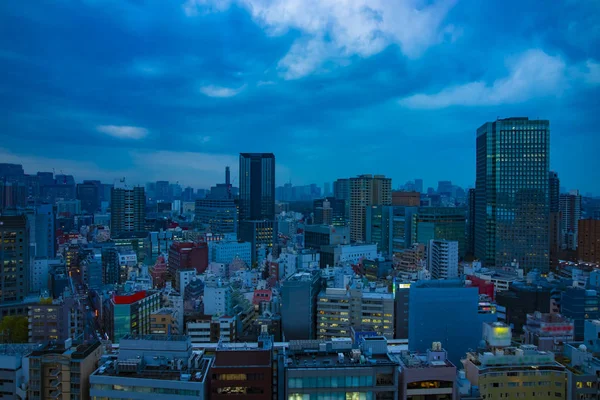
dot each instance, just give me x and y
(127, 209)
(589, 240)
(299, 295)
(257, 186)
(15, 260)
(366, 191)
(442, 259)
(570, 212)
(512, 193)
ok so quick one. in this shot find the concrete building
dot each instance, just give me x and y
(260, 234)
(442, 259)
(579, 305)
(548, 332)
(522, 299)
(129, 314)
(445, 311)
(225, 251)
(329, 211)
(407, 199)
(589, 240)
(62, 372)
(88, 193)
(68, 208)
(14, 258)
(153, 367)
(44, 231)
(217, 215)
(442, 223)
(501, 371)
(14, 374)
(217, 299)
(127, 209)
(427, 376)
(570, 212)
(164, 322)
(340, 309)
(250, 368)
(517, 227)
(56, 321)
(316, 236)
(335, 370)
(584, 371)
(212, 329)
(366, 191)
(186, 255)
(299, 294)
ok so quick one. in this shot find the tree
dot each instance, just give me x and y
(14, 329)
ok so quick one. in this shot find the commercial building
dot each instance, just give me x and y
(335, 370)
(517, 151)
(340, 309)
(165, 322)
(153, 367)
(408, 199)
(442, 259)
(427, 376)
(366, 191)
(299, 295)
(584, 371)
(522, 299)
(443, 223)
(15, 260)
(445, 311)
(225, 251)
(548, 332)
(501, 371)
(55, 321)
(379, 227)
(127, 209)
(260, 234)
(217, 215)
(129, 314)
(244, 372)
(329, 211)
(404, 228)
(88, 193)
(589, 240)
(213, 329)
(257, 187)
(316, 236)
(570, 212)
(186, 255)
(62, 371)
(579, 305)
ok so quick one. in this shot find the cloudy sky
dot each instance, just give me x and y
(155, 89)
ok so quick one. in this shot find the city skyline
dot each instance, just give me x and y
(178, 92)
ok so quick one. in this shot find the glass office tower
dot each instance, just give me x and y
(512, 193)
(257, 186)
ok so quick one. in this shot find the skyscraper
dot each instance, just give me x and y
(88, 193)
(366, 191)
(257, 200)
(257, 186)
(554, 218)
(470, 247)
(128, 209)
(14, 258)
(570, 213)
(512, 194)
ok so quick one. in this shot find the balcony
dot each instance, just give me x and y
(55, 372)
(55, 394)
(55, 383)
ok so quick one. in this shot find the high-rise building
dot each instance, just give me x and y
(366, 191)
(589, 240)
(444, 223)
(260, 234)
(15, 261)
(128, 209)
(470, 247)
(445, 188)
(419, 185)
(299, 295)
(44, 231)
(257, 186)
(512, 193)
(442, 259)
(329, 211)
(554, 229)
(162, 191)
(579, 305)
(570, 212)
(554, 191)
(129, 314)
(218, 215)
(88, 193)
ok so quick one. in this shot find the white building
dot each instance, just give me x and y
(185, 276)
(354, 253)
(217, 299)
(442, 259)
(225, 251)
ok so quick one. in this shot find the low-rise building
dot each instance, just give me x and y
(335, 370)
(14, 373)
(549, 332)
(152, 367)
(212, 329)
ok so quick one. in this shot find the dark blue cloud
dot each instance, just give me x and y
(212, 84)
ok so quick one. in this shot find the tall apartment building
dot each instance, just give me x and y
(341, 309)
(512, 193)
(366, 191)
(589, 240)
(570, 212)
(15, 260)
(299, 295)
(442, 259)
(62, 372)
(127, 209)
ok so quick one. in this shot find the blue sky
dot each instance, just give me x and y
(176, 89)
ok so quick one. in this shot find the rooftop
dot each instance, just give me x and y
(18, 349)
